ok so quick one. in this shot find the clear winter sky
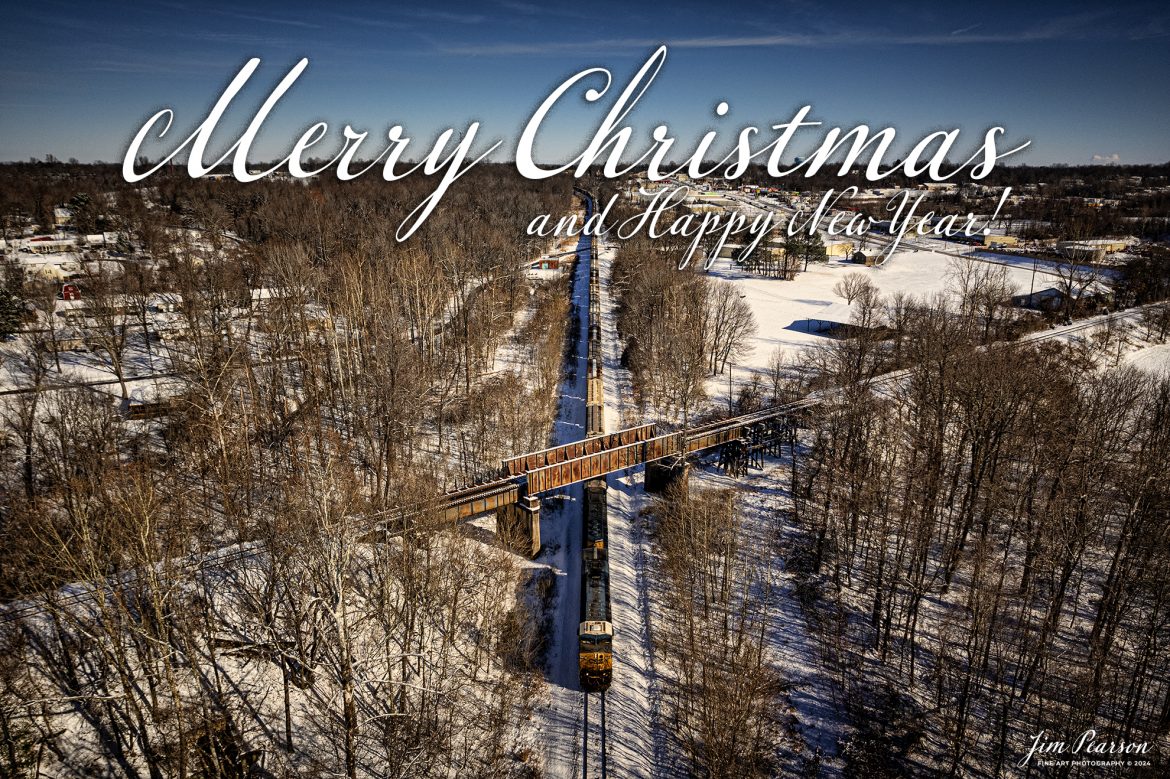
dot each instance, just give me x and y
(1081, 81)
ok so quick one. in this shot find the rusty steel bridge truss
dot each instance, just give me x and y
(747, 436)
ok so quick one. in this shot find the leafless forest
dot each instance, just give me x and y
(723, 699)
(978, 527)
(985, 542)
(208, 593)
(678, 327)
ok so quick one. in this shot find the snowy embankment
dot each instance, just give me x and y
(814, 702)
(637, 742)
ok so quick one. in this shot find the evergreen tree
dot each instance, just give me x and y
(12, 305)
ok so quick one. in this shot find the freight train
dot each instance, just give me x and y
(595, 633)
(594, 391)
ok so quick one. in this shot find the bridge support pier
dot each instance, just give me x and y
(661, 474)
(518, 525)
(736, 457)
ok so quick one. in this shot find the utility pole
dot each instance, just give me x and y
(728, 389)
(729, 392)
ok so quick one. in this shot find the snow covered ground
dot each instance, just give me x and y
(1154, 360)
(814, 699)
(636, 738)
(785, 311)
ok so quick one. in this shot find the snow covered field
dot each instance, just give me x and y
(1154, 359)
(786, 311)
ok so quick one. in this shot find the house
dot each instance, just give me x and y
(44, 244)
(1047, 299)
(56, 267)
(730, 251)
(839, 320)
(1093, 249)
(831, 317)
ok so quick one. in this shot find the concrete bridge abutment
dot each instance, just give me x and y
(518, 525)
(660, 474)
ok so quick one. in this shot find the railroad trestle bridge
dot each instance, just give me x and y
(742, 441)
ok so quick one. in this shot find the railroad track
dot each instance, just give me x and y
(595, 601)
(600, 748)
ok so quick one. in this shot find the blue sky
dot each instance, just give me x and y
(1079, 81)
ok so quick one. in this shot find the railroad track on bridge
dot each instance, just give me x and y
(596, 631)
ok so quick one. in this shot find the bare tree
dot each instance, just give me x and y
(730, 324)
(107, 308)
(852, 286)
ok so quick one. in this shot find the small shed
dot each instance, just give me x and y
(838, 248)
(830, 317)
